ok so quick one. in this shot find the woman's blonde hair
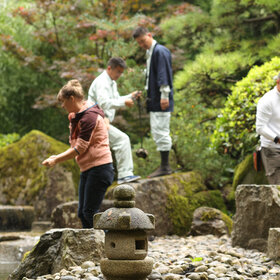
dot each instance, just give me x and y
(72, 88)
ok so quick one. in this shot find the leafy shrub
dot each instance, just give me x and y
(6, 139)
(212, 75)
(186, 34)
(235, 126)
(200, 92)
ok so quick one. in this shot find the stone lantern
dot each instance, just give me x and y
(126, 242)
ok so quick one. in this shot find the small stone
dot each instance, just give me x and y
(194, 276)
(201, 268)
(154, 276)
(67, 277)
(87, 264)
(162, 269)
(176, 270)
(212, 277)
(90, 277)
(171, 277)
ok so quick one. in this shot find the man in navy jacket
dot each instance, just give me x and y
(159, 95)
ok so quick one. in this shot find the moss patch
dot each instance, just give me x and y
(246, 174)
(241, 170)
(228, 222)
(181, 207)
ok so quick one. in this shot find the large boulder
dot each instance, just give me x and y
(25, 181)
(257, 210)
(61, 249)
(207, 220)
(16, 217)
(65, 215)
(172, 200)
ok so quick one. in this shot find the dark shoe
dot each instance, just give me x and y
(161, 171)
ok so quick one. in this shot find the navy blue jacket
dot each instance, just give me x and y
(160, 74)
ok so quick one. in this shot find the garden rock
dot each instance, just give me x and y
(273, 244)
(25, 181)
(257, 210)
(61, 249)
(172, 200)
(208, 220)
(16, 218)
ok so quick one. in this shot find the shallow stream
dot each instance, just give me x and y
(6, 268)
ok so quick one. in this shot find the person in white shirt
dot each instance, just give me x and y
(104, 92)
(268, 127)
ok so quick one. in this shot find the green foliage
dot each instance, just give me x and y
(47, 43)
(235, 127)
(246, 18)
(6, 139)
(186, 34)
(197, 259)
(212, 75)
(201, 90)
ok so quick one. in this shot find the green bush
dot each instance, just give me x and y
(6, 139)
(200, 92)
(235, 127)
(212, 75)
(187, 34)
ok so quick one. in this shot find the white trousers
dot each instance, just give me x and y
(120, 144)
(160, 129)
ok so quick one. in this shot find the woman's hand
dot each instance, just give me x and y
(50, 162)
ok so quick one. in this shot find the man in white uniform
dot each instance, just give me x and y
(268, 127)
(104, 92)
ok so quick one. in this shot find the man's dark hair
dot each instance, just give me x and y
(116, 61)
(139, 31)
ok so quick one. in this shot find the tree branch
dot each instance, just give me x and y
(252, 20)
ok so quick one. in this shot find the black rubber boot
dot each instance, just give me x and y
(164, 168)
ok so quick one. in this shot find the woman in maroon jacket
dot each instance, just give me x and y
(90, 147)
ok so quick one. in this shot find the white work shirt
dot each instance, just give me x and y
(164, 89)
(268, 118)
(104, 92)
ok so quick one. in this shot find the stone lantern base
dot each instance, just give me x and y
(126, 269)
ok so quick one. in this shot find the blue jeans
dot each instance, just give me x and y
(92, 188)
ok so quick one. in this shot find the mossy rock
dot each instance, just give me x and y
(25, 181)
(208, 220)
(181, 207)
(246, 174)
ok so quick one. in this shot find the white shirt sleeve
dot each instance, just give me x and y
(105, 93)
(164, 90)
(263, 116)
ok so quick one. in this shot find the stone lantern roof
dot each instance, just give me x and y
(124, 216)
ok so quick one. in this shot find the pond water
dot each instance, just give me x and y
(6, 269)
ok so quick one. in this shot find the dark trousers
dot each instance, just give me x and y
(93, 185)
(271, 163)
